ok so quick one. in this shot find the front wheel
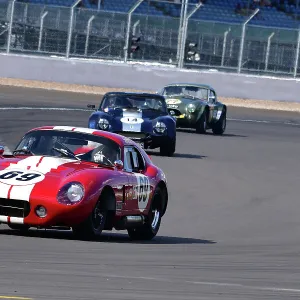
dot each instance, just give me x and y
(220, 126)
(168, 147)
(150, 229)
(202, 124)
(95, 223)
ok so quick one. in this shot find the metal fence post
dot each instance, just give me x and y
(186, 21)
(182, 30)
(71, 27)
(10, 25)
(297, 55)
(88, 34)
(268, 50)
(243, 40)
(99, 5)
(224, 45)
(41, 30)
(183, 5)
(133, 8)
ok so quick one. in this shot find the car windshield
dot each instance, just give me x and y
(138, 102)
(186, 90)
(74, 145)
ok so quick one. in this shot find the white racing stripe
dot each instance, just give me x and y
(36, 163)
(15, 220)
(75, 129)
(23, 192)
(3, 219)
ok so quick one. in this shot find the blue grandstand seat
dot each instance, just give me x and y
(214, 10)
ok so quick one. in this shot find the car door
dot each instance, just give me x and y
(141, 185)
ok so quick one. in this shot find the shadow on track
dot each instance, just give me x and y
(177, 155)
(209, 133)
(104, 238)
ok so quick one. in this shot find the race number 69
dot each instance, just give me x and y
(20, 177)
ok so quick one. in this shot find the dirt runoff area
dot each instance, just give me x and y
(236, 102)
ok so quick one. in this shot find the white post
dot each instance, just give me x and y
(182, 29)
(243, 40)
(297, 54)
(135, 25)
(134, 7)
(183, 4)
(41, 29)
(268, 50)
(99, 4)
(10, 25)
(224, 45)
(71, 28)
(88, 29)
(181, 56)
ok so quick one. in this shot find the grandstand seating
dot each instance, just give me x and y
(280, 13)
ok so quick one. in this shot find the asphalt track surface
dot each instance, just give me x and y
(231, 231)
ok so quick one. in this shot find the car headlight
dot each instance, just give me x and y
(103, 124)
(71, 193)
(191, 108)
(160, 127)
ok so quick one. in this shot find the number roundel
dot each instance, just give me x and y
(20, 177)
(143, 191)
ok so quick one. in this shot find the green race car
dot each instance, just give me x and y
(195, 106)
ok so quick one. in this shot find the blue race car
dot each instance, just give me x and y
(141, 117)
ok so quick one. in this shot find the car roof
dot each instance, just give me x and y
(135, 94)
(191, 84)
(119, 139)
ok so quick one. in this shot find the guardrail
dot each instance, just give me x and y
(185, 42)
(143, 77)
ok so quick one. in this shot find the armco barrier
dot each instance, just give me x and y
(144, 77)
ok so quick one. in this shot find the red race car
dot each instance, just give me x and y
(83, 179)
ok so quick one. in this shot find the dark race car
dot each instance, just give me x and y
(141, 117)
(195, 106)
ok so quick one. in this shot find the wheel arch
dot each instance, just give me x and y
(165, 196)
(107, 202)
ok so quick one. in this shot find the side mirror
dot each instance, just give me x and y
(2, 150)
(91, 106)
(212, 98)
(119, 164)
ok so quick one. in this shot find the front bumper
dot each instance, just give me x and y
(146, 140)
(24, 212)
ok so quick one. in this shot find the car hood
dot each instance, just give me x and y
(42, 175)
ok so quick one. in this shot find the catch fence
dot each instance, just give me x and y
(186, 41)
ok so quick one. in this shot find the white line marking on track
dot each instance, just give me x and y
(263, 121)
(221, 284)
(44, 108)
(89, 110)
(278, 289)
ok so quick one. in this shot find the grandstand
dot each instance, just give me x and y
(98, 29)
(273, 13)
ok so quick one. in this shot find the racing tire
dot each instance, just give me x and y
(220, 126)
(168, 147)
(95, 223)
(151, 227)
(201, 124)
